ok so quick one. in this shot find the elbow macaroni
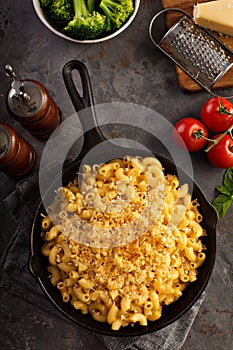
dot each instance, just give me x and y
(128, 283)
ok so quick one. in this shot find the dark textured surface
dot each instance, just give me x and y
(128, 69)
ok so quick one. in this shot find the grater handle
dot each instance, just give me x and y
(156, 18)
(216, 95)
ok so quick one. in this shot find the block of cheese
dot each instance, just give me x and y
(215, 15)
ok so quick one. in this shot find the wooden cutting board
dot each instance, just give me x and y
(185, 82)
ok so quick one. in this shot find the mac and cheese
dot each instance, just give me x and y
(123, 240)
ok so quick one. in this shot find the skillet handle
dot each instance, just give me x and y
(87, 99)
(88, 120)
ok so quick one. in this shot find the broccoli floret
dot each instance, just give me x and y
(45, 3)
(117, 12)
(61, 12)
(85, 24)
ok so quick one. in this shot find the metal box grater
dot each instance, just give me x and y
(199, 53)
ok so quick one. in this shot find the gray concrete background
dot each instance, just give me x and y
(129, 69)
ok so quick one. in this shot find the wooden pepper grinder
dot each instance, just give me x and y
(17, 156)
(29, 102)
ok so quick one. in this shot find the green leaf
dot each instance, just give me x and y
(224, 190)
(222, 204)
(228, 180)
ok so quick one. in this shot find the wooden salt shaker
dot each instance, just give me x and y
(29, 102)
(17, 156)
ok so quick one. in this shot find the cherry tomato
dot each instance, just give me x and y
(191, 131)
(221, 154)
(217, 114)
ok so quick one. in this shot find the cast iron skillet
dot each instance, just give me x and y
(39, 263)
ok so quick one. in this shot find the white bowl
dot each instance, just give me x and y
(47, 22)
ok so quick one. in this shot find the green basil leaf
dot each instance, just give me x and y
(224, 190)
(228, 180)
(222, 204)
